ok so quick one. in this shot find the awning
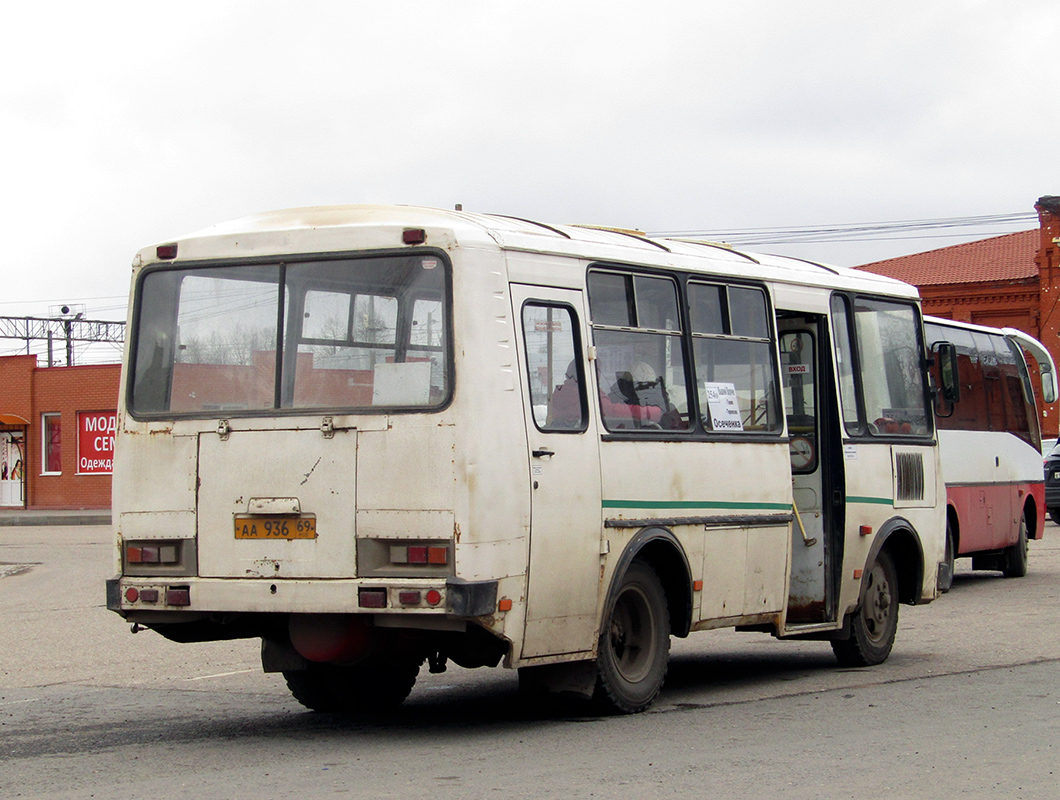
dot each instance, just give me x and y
(12, 419)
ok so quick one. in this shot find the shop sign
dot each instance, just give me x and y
(95, 442)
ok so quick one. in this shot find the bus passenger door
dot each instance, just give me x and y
(564, 476)
(817, 528)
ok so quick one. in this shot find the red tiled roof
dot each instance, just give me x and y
(999, 258)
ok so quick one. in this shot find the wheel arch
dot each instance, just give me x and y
(953, 520)
(1035, 518)
(899, 538)
(661, 550)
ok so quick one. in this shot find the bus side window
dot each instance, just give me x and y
(734, 358)
(846, 375)
(798, 376)
(889, 370)
(992, 384)
(553, 360)
(640, 351)
(1016, 417)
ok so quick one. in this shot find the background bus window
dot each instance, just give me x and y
(640, 368)
(992, 388)
(969, 413)
(735, 364)
(1022, 415)
(1005, 391)
(555, 384)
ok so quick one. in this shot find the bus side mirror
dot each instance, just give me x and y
(946, 353)
(1048, 386)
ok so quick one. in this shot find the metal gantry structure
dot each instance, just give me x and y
(66, 329)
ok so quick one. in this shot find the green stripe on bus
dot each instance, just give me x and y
(686, 504)
(674, 504)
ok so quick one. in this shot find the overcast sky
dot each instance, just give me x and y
(126, 124)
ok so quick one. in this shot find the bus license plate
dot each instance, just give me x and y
(276, 527)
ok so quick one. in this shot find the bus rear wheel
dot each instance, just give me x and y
(634, 645)
(351, 690)
(1014, 559)
(875, 622)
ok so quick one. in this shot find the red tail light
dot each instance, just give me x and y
(178, 596)
(434, 554)
(371, 598)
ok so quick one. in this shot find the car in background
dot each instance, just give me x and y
(1052, 483)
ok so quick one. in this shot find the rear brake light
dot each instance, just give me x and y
(180, 596)
(163, 553)
(371, 598)
(417, 555)
(431, 554)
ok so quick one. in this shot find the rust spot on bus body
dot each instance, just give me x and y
(806, 610)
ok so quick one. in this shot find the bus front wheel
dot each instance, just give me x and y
(875, 622)
(634, 644)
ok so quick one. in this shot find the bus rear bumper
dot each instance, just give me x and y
(453, 597)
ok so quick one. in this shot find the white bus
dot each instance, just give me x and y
(378, 436)
(990, 445)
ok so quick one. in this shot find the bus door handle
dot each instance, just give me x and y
(542, 453)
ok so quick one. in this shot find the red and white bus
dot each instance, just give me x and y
(990, 445)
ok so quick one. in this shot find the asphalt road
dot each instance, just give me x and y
(968, 703)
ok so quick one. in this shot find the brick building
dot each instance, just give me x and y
(56, 434)
(1005, 281)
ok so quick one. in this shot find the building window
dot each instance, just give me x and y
(51, 433)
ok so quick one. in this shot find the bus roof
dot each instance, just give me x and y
(355, 227)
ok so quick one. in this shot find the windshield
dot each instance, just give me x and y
(351, 334)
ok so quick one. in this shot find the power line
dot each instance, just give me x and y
(856, 231)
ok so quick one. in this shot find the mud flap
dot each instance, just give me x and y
(577, 678)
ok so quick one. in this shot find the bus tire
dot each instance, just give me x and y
(1054, 515)
(875, 622)
(950, 559)
(1014, 559)
(634, 645)
(351, 690)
